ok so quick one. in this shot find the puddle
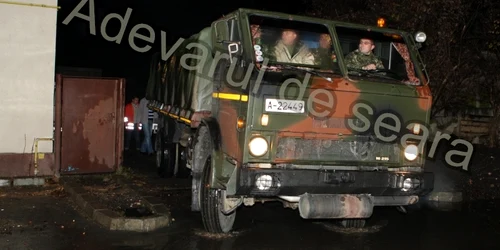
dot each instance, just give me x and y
(205, 234)
(334, 226)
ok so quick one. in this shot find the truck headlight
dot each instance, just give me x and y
(258, 146)
(411, 152)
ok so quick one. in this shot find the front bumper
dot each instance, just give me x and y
(295, 182)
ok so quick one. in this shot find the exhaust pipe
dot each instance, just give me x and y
(347, 206)
(335, 206)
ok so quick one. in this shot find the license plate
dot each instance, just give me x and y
(284, 106)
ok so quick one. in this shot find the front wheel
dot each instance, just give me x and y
(211, 204)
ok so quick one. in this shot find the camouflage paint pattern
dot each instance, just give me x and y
(408, 105)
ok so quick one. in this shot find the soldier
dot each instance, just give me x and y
(363, 57)
(324, 54)
(289, 50)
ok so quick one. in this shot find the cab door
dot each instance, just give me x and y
(229, 84)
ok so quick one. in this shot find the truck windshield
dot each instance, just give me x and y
(286, 42)
(376, 56)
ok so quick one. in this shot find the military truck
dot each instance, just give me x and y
(312, 128)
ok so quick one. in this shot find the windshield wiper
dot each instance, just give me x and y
(374, 73)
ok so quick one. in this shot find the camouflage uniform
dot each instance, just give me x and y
(324, 57)
(302, 54)
(357, 60)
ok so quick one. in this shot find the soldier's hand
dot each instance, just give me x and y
(370, 67)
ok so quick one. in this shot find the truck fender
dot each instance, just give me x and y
(218, 179)
(217, 155)
(197, 167)
(214, 128)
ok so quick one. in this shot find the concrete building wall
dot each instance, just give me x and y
(27, 46)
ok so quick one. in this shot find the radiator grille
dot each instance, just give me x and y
(363, 149)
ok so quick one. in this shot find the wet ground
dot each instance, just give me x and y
(54, 223)
(49, 220)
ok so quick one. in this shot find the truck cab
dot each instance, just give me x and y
(329, 118)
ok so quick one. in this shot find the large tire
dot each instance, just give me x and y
(164, 161)
(210, 200)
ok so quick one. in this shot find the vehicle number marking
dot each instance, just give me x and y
(284, 106)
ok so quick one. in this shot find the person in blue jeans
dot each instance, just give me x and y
(147, 126)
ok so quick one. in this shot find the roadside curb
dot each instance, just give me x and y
(113, 221)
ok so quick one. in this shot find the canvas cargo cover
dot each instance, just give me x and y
(187, 88)
(203, 84)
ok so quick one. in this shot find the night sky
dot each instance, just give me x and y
(76, 47)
